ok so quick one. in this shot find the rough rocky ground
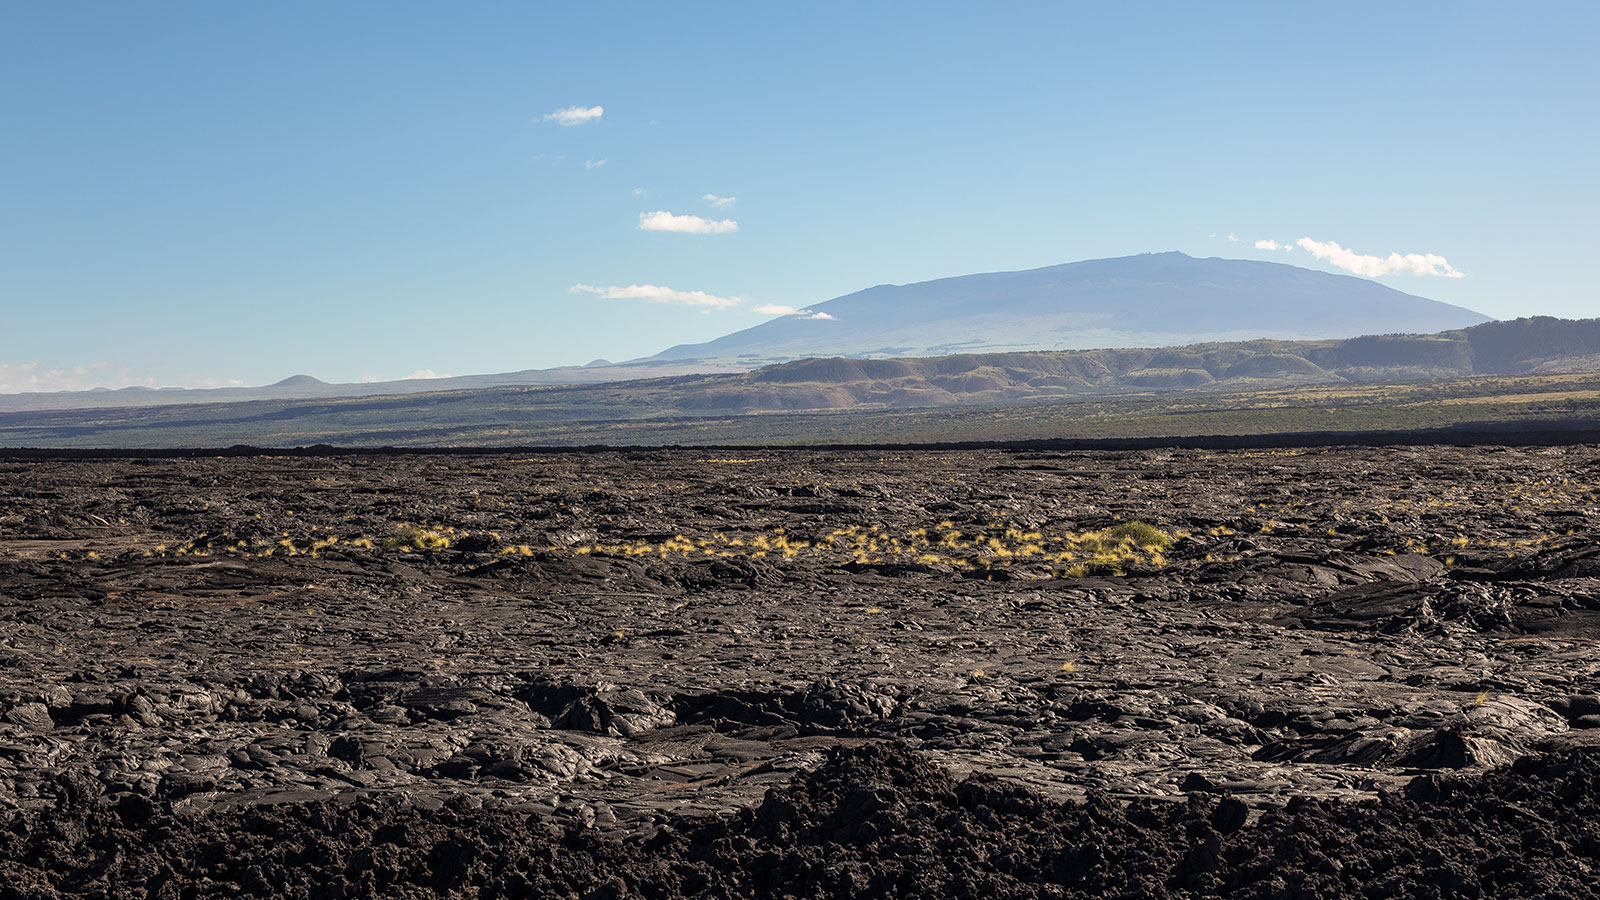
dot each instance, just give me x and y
(615, 648)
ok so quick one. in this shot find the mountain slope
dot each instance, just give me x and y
(1150, 300)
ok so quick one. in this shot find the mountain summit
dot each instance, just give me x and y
(295, 381)
(1150, 300)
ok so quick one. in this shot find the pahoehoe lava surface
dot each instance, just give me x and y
(1335, 672)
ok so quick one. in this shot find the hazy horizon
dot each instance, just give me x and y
(205, 196)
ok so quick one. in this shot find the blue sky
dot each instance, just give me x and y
(203, 193)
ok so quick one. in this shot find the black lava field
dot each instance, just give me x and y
(1329, 672)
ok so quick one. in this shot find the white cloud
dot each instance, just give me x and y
(657, 294)
(593, 163)
(661, 220)
(719, 202)
(639, 192)
(1267, 245)
(575, 115)
(1373, 266)
(1232, 238)
(27, 377)
(418, 375)
(19, 377)
(778, 309)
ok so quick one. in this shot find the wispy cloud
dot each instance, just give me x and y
(639, 192)
(776, 309)
(593, 163)
(575, 115)
(655, 293)
(1232, 238)
(1375, 266)
(21, 377)
(660, 220)
(425, 373)
(719, 202)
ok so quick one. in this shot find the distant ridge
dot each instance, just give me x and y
(1531, 346)
(306, 387)
(1149, 300)
(1535, 370)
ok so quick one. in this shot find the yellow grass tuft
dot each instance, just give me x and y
(415, 537)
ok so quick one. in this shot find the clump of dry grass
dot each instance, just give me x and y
(1139, 534)
(415, 537)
